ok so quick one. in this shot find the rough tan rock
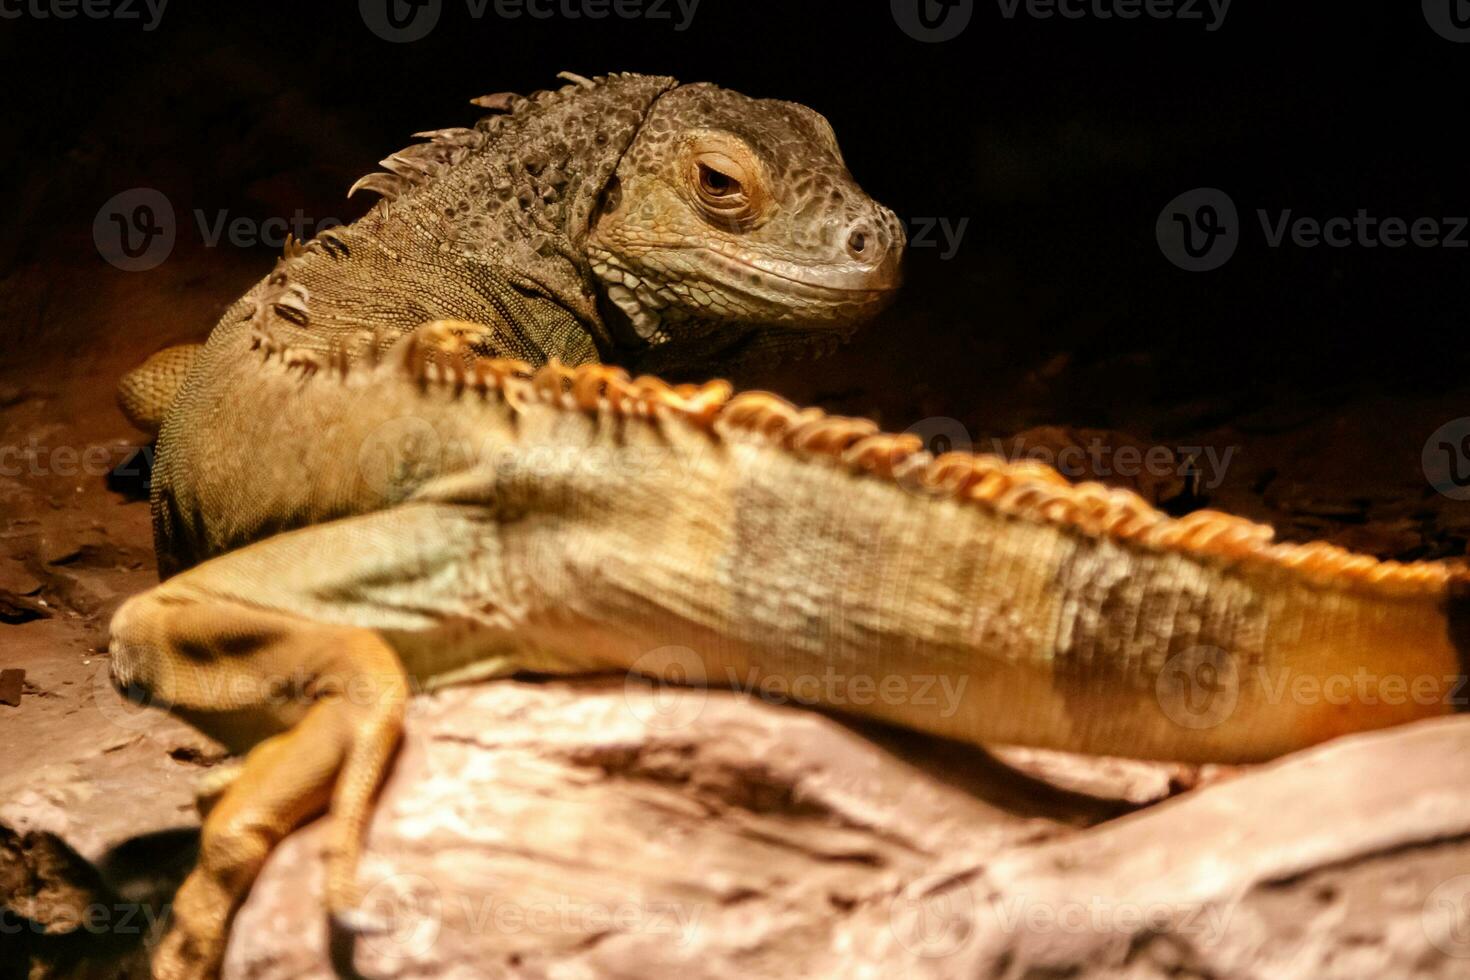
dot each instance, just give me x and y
(606, 829)
(602, 829)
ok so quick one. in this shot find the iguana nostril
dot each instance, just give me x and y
(858, 242)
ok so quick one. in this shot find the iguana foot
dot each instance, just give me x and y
(331, 700)
(282, 648)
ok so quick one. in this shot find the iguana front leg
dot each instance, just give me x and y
(337, 693)
(290, 649)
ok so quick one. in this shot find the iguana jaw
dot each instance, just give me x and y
(709, 287)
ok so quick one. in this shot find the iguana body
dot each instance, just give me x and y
(572, 520)
(449, 517)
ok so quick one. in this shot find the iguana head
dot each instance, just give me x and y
(728, 211)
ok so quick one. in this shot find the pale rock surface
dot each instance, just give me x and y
(606, 829)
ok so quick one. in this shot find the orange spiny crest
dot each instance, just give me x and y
(599, 383)
(883, 453)
(494, 373)
(1025, 489)
(703, 405)
(647, 393)
(830, 435)
(553, 379)
(760, 412)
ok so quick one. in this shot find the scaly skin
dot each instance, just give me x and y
(627, 219)
(572, 520)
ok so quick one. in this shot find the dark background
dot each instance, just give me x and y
(1323, 375)
(1059, 141)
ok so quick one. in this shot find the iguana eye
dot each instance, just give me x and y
(723, 178)
(713, 183)
(721, 185)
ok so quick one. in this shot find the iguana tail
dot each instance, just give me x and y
(146, 392)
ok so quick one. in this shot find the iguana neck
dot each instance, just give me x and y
(516, 193)
(744, 353)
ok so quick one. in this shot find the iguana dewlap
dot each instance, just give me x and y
(362, 497)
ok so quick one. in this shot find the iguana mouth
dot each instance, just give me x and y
(884, 277)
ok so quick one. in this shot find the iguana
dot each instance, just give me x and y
(454, 515)
(627, 219)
